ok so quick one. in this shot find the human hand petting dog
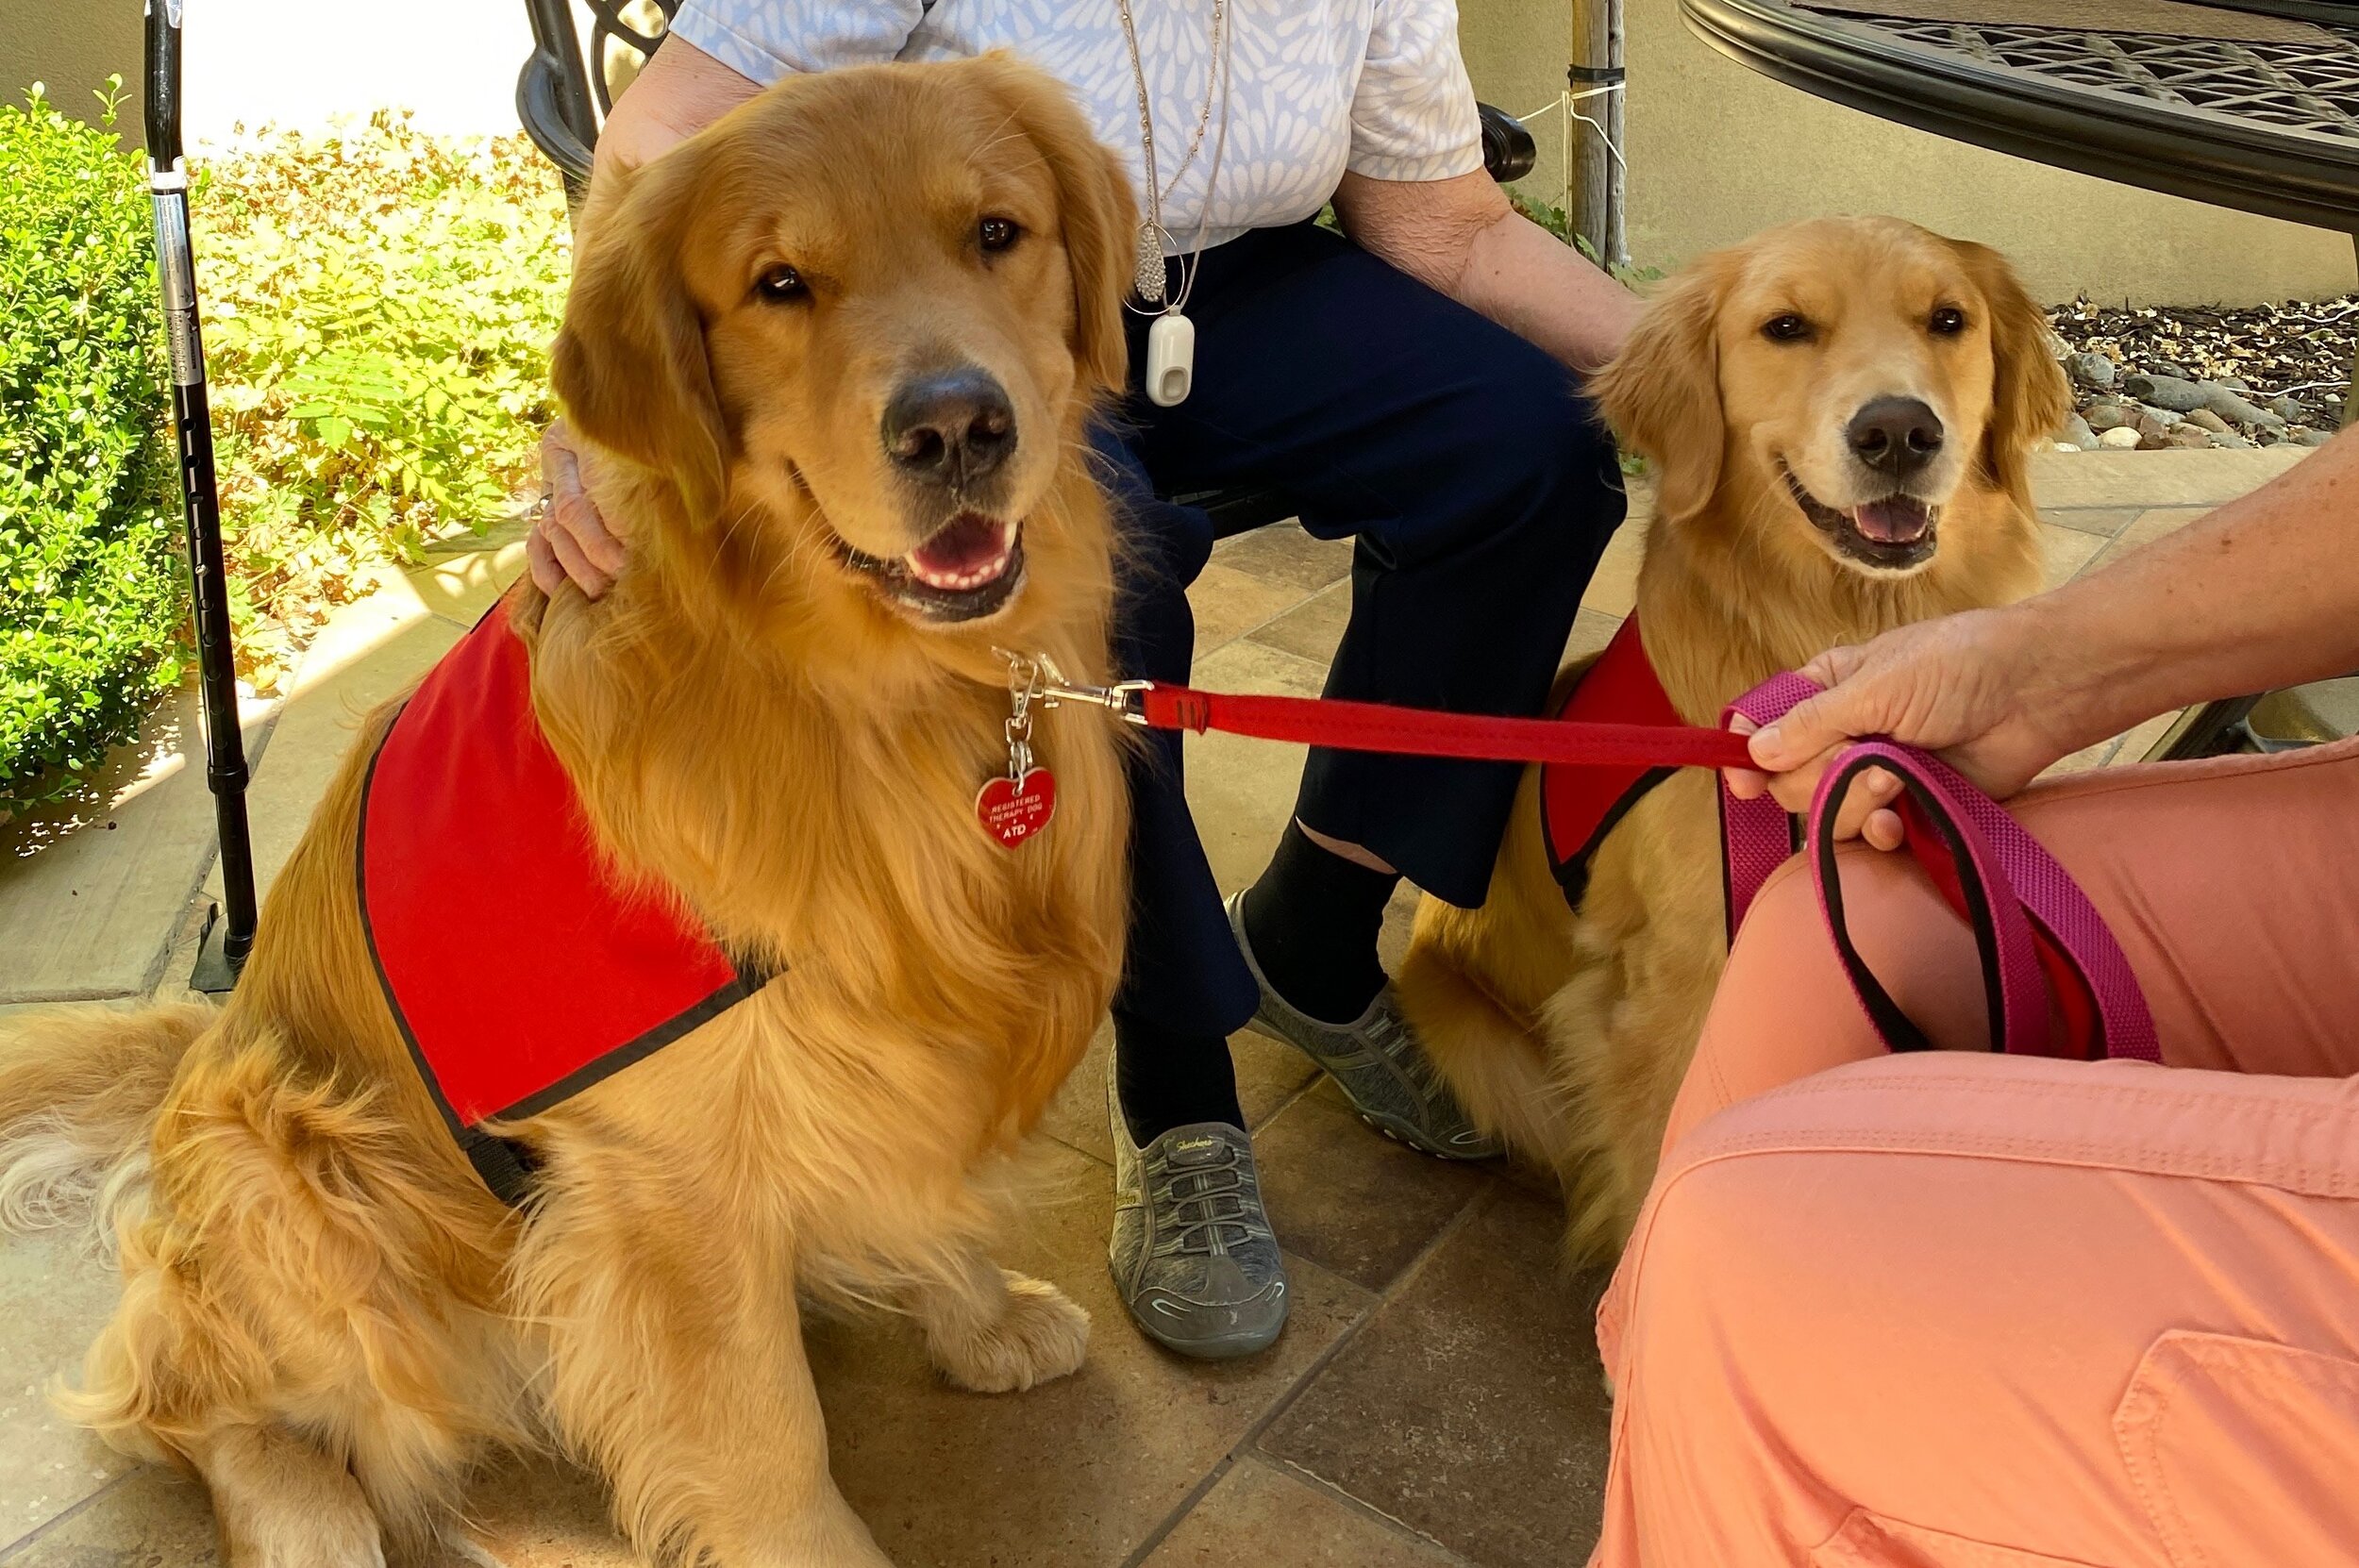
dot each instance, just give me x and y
(681, 90)
(570, 539)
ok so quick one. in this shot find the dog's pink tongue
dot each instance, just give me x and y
(968, 544)
(1897, 520)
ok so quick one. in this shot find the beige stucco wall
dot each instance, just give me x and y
(1515, 53)
(1717, 151)
(72, 46)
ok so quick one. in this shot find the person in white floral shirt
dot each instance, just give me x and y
(1415, 386)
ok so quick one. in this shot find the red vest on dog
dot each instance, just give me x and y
(519, 969)
(1578, 807)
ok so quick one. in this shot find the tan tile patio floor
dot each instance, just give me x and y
(1436, 1399)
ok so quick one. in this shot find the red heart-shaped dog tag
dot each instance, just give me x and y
(1013, 809)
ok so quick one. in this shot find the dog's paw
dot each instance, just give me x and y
(1041, 1336)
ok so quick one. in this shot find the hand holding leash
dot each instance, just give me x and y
(1980, 688)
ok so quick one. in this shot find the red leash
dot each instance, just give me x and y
(1426, 732)
(2037, 931)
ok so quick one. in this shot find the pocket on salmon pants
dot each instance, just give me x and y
(2245, 1451)
(1871, 1540)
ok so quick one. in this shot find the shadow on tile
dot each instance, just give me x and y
(1268, 1075)
(1283, 555)
(1075, 1475)
(54, 1298)
(1352, 1199)
(1471, 1407)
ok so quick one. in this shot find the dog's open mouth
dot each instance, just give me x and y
(1894, 534)
(968, 568)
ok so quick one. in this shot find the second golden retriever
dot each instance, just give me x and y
(838, 352)
(1839, 414)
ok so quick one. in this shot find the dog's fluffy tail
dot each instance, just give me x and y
(79, 1090)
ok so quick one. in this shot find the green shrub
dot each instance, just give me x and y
(379, 306)
(90, 585)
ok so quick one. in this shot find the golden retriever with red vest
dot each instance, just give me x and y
(1839, 413)
(835, 355)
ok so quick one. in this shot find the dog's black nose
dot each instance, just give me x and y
(950, 427)
(1895, 436)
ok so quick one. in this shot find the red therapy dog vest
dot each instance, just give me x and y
(519, 968)
(1578, 807)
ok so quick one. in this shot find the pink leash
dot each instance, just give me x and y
(2032, 922)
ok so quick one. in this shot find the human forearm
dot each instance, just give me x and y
(2262, 593)
(1461, 238)
(681, 92)
(1527, 280)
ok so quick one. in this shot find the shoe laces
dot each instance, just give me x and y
(1208, 1202)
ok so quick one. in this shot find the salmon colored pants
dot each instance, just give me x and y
(1981, 1311)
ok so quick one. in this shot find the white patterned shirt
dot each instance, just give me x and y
(1317, 86)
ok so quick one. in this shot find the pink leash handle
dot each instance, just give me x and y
(2007, 878)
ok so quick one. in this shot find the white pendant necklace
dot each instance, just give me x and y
(1171, 341)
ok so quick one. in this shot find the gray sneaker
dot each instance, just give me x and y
(1378, 1060)
(1191, 1251)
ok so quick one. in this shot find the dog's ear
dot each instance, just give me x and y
(630, 363)
(1095, 208)
(1662, 393)
(2030, 398)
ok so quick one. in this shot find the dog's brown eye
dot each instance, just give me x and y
(997, 233)
(780, 283)
(1785, 329)
(1947, 321)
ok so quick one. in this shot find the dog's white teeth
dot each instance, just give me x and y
(974, 576)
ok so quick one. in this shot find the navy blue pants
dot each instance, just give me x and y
(1479, 488)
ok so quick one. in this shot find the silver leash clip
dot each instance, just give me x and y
(1045, 683)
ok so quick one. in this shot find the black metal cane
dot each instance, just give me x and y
(229, 931)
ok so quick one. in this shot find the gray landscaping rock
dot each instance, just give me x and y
(2207, 420)
(2229, 438)
(2121, 438)
(2301, 435)
(2105, 414)
(2077, 434)
(2290, 409)
(2229, 405)
(2091, 369)
(2166, 391)
(2233, 383)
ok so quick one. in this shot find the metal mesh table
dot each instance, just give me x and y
(2263, 127)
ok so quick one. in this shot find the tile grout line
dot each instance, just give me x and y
(1288, 1397)
(1247, 1444)
(1244, 1447)
(13, 1549)
(1178, 1514)
(1330, 1490)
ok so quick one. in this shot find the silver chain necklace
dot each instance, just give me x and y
(1171, 342)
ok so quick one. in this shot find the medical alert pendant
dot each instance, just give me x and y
(1170, 358)
(1146, 278)
(1017, 804)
